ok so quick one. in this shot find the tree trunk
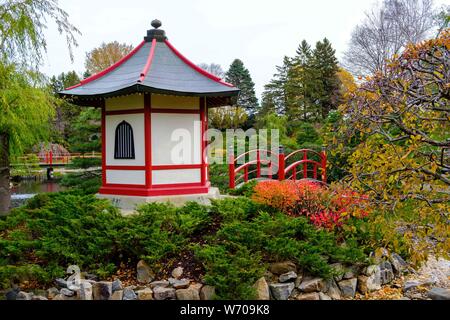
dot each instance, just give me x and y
(5, 194)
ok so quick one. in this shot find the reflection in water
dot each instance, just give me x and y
(26, 189)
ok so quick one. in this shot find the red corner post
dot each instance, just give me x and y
(281, 164)
(324, 165)
(231, 169)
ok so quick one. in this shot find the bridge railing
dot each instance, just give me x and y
(49, 158)
(285, 167)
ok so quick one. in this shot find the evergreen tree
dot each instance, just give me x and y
(240, 77)
(325, 65)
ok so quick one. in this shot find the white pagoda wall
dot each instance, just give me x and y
(131, 177)
(167, 146)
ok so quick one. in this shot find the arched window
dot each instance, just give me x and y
(124, 143)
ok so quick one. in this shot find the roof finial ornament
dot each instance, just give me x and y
(156, 23)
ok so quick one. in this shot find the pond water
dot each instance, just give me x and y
(26, 189)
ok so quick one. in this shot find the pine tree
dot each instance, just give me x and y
(240, 77)
(325, 65)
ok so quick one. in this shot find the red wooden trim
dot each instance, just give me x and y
(195, 67)
(148, 139)
(125, 167)
(181, 111)
(206, 142)
(149, 62)
(103, 144)
(202, 142)
(178, 185)
(120, 112)
(177, 166)
(136, 190)
(119, 186)
(232, 172)
(109, 69)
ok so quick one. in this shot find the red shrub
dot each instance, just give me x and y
(325, 207)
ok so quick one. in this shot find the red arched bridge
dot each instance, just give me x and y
(266, 164)
(53, 159)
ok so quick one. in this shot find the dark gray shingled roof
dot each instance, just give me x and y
(169, 73)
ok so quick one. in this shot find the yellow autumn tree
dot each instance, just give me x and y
(106, 55)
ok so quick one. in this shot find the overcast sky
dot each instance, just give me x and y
(259, 32)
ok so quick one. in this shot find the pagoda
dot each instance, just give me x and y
(146, 98)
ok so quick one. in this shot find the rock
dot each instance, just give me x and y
(409, 285)
(270, 277)
(67, 292)
(333, 290)
(52, 292)
(398, 263)
(12, 294)
(144, 272)
(207, 292)
(179, 284)
(39, 298)
(117, 285)
(163, 283)
(102, 290)
(386, 272)
(350, 272)
(404, 298)
(308, 296)
(24, 296)
(323, 296)
(161, 293)
(312, 285)
(128, 294)
(348, 287)
(439, 294)
(89, 276)
(86, 291)
(61, 283)
(298, 281)
(282, 267)
(368, 284)
(339, 271)
(262, 289)
(373, 281)
(177, 272)
(288, 276)
(63, 297)
(188, 294)
(145, 294)
(117, 295)
(281, 291)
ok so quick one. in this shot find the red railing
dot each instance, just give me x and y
(50, 159)
(286, 166)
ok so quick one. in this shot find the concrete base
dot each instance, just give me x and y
(128, 204)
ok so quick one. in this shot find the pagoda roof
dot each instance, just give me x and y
(153, 66)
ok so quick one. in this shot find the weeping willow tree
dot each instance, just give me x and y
(25, 103)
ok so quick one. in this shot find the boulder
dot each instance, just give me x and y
(144, 272)
(67, 292)
(262, 289)
(12, 294)
(163, 283)
(24, 296)
(282, 267)
(61, 283)
(129, 294)
(368, 284)
(373, 281)
(86, 291)
(39, 298)
(298, 281)
(288, 276)
(439, 294)
(398, 263)
(348, 287)
(161, 293)
(410, 285)
(177, 272)
(179, 284)
(386, 272)
(63, 297)
(191, 293)
(117, 295)
(312, 285)
(350, 272)
(308, 296)
(323, 296)
(339, 271)
(207, 292)
(145, 294)
(333, 290)
(102, 290)
(52, 292)
(117, 285)
(281, 291)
